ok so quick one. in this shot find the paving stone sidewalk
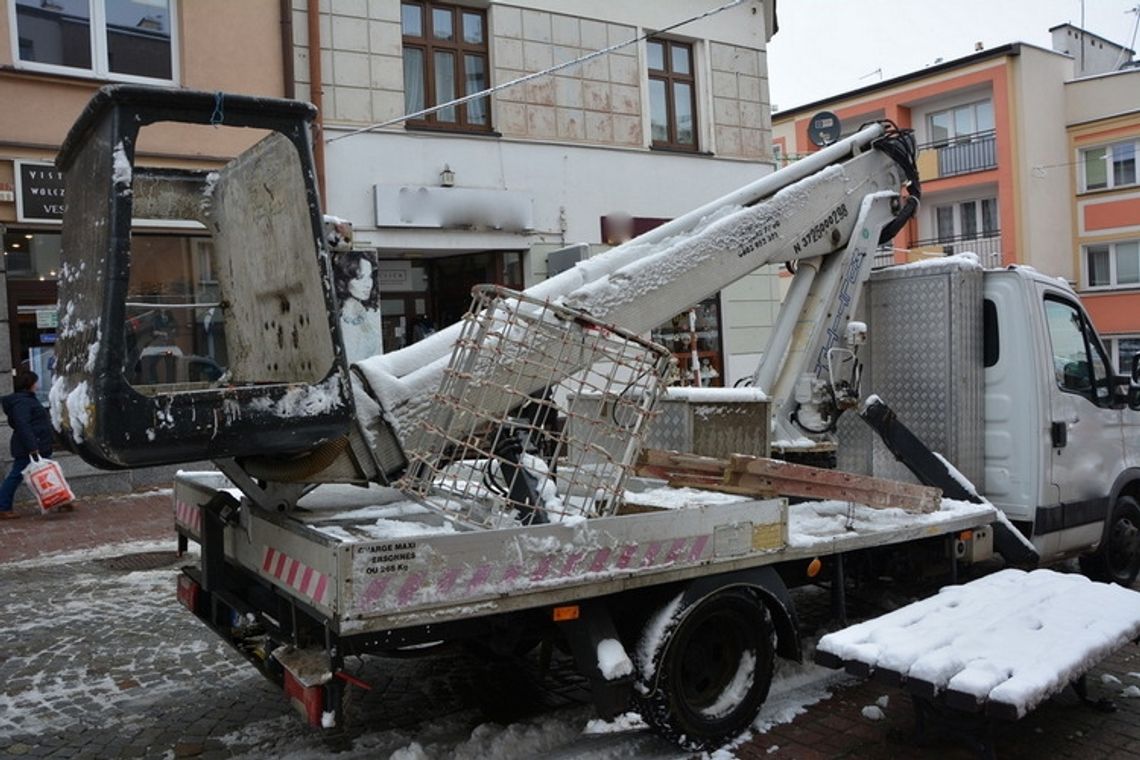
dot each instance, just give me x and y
(83, 677)
(94, 522)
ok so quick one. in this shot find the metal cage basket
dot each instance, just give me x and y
(539, 415)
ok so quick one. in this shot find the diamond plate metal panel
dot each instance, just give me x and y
(924, 359)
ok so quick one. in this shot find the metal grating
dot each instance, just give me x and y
(539, 416)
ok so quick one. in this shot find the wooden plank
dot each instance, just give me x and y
(963, 702)
(888, 677)
(762, 477)
(828, 660)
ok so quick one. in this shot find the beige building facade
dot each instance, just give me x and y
(674, 115)
(54, 55)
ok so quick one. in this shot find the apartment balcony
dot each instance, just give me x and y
(962, 155)
(987, 248)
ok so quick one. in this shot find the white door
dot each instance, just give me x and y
(1088, 445)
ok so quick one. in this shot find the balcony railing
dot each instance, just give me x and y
(988, 249)
(961, 155)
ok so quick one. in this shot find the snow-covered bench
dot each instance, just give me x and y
(995, 647)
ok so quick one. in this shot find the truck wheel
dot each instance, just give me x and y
(1118, 558)
(715, 672)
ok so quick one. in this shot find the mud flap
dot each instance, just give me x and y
(584, 633)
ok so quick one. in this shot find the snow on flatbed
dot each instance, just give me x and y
(1003, 643)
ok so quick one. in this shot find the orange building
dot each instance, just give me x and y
(1027, 156)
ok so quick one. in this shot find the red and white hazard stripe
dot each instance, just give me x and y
(188, 516)
(296, 575)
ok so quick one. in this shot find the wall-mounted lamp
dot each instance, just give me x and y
(446, 177)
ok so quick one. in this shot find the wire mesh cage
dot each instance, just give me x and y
(539, 415)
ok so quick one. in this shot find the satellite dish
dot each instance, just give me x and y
(824, 129)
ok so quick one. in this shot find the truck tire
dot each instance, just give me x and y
(1117, 560)
(714, 672)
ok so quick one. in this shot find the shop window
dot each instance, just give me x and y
(108, 39)
(694, 337)
(175, 330)
(445, 57)
(672, 94)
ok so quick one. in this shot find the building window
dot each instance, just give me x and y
(109, 39)
(967, 220)
(1110, 265)
(1109, 166)
(672, 94)
(445, 57)
(961, 122)
(1121, 349)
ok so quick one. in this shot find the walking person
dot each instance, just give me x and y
(31, 434)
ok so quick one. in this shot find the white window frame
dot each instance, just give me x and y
(100, 68)
(955, 136)
(1110, 176)
(1112, 285)
(956, 213)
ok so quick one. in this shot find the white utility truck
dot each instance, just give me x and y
(479, 484)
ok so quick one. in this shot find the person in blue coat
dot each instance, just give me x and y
(31, 434)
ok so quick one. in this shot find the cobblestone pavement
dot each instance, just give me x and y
(99, 661)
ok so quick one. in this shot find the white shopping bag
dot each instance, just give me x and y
(45, 479)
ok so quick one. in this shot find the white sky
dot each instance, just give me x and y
(827, 47)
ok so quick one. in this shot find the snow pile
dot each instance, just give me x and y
(629, 721)
(303, 401)
(714, 395)
(1012, 637)
(613, 662)
(736, 690)
(651, 638)
(965, 261)
(384, 528)
(681, 498)
(121, 169)
(1130, 692)
(817, 523)
(873, 712)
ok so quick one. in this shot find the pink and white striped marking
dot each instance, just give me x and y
(296, 575)
(188, 516)
(393, 592)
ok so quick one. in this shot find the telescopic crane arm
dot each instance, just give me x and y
(825, 215)
(290, 410)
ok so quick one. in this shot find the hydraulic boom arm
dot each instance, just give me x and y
(289, 409)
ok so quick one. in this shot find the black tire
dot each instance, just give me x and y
(702, 657)
(1117, 560)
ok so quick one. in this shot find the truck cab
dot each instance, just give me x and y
(1003, 373)
(1061, 461)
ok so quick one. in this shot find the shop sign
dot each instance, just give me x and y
(47, 319)
(395, 275)
(39, 192)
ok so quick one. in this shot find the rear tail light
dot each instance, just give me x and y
(188, 590)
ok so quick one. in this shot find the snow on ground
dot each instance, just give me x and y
(92, 553)
(131, 668)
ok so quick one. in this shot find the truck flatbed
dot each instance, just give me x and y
(373, 559)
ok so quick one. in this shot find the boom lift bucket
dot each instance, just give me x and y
(228, 346)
